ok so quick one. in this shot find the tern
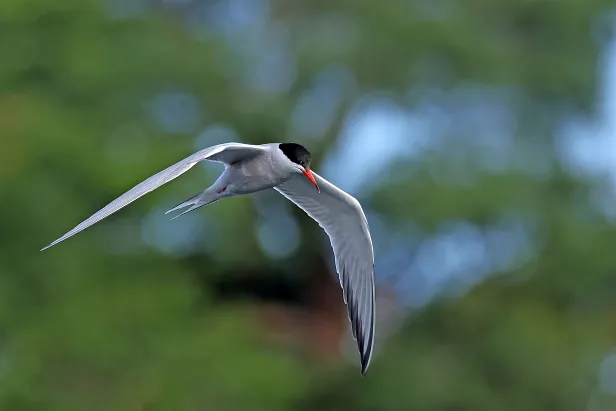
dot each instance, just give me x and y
(285, 167)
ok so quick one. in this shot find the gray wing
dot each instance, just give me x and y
(343, 219)
(223, 153)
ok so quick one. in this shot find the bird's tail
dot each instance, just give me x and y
(207, 197)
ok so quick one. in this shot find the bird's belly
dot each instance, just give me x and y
(248, 187)
(246, 180)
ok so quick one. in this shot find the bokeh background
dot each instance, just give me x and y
(480, 136)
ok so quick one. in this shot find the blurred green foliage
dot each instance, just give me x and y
(105, 323)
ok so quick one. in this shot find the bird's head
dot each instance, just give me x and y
(300, 159)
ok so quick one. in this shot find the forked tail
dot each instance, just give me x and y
(207, 197)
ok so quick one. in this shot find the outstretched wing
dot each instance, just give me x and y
(227, 153)
(343, 219)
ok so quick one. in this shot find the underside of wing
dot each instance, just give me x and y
(343, 219)
(225, 153)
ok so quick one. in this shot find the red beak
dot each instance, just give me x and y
(310, 177)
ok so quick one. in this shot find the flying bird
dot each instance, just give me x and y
(285, 167)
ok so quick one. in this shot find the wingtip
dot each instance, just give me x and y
(59, 240)
(46, 247)
(365, 353)
(365, 363)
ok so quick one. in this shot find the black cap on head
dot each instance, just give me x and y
(297, 154)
